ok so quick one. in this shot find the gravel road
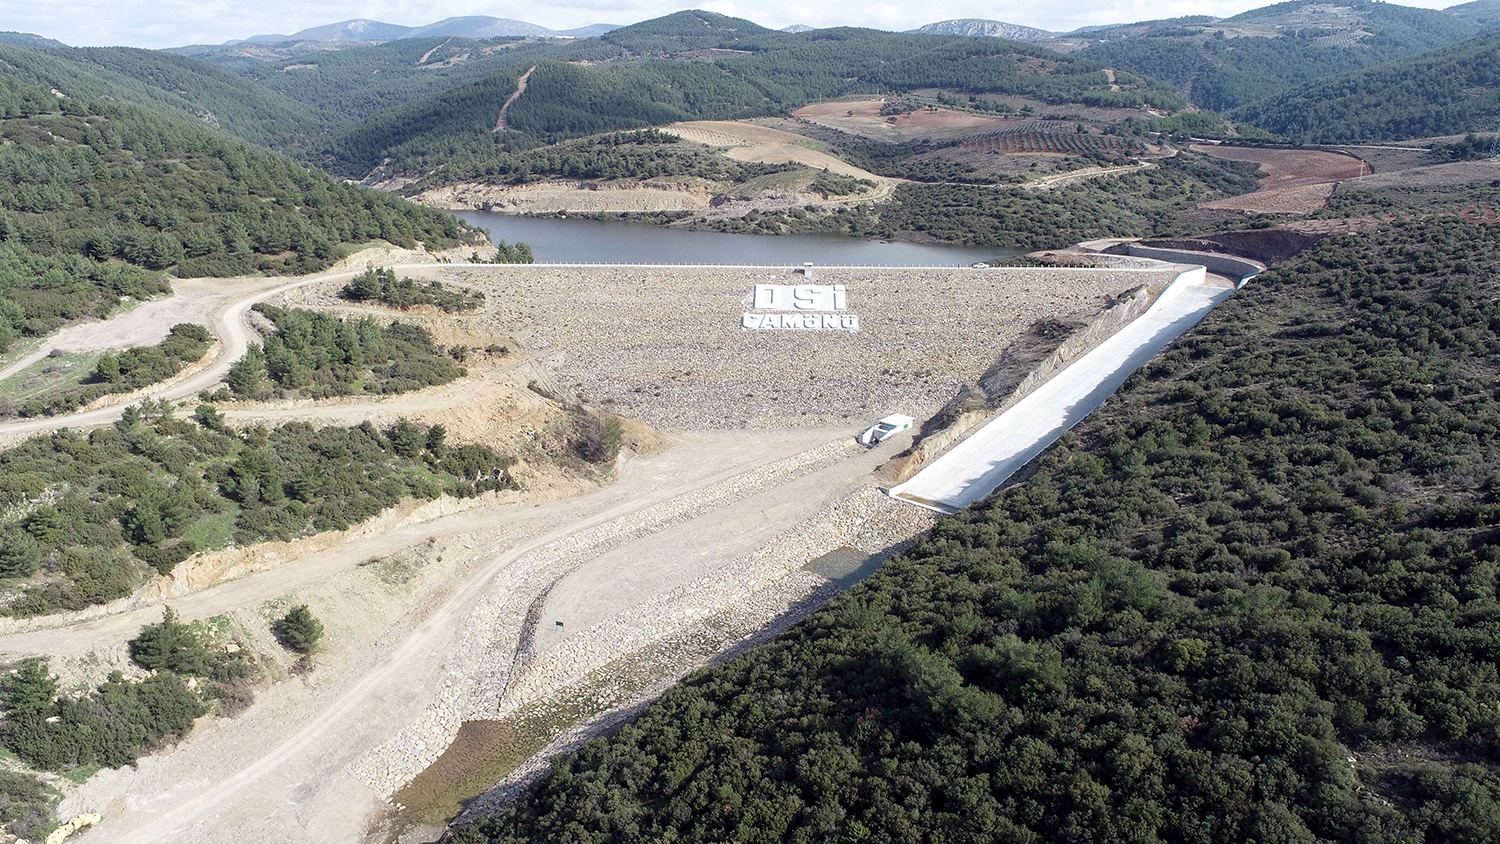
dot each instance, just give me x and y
(299, 744)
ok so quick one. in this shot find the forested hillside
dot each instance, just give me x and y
(98, 198)
(168, 84)
(698, 65)
(1253, 598)
(1143, 203)
(1444, 92)
(1274, 48)
(347, 86)
(146, 493)
(642, 154)
(1484, 13)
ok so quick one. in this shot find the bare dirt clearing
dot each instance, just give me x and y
(1294, 181)
(144, 324)
(862, 117)
(762, 144)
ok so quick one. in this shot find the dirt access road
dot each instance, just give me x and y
(1050, 182)
(280, 771)
(228, 322)
(501, 125)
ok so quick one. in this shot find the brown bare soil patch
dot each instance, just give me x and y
(1294, 181)
(752, 142)
(863, 117)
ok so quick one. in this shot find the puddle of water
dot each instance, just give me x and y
(846, 566)
(481, 755)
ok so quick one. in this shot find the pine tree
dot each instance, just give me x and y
(30, 689)
(299, 630)
(170, 645)
(437, 437)
(19, 554)
(210, 418)
(364, 287)
(107, 369)
(247, 378)
(146, 526)
(406, 439)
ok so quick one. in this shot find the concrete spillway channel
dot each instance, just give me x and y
(978, 466)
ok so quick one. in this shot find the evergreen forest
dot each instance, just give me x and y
(1253, 598)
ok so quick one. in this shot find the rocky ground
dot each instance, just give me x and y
(664, 344)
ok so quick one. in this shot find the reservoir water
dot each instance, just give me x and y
(581, 240)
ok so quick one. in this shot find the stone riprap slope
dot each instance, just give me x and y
(664, 344)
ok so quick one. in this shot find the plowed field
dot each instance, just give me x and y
(1293, 181)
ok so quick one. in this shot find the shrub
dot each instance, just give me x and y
(597, 437)
(299, 630)
(19, 554)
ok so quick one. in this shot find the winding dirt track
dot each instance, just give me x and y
(1050, 182)
(218, 788)
(281, 771)
(500, 123)
(229, 324)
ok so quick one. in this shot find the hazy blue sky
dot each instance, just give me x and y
(167, 23)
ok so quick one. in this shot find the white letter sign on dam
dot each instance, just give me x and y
(812, 307)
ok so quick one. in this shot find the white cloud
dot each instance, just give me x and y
(165, 23)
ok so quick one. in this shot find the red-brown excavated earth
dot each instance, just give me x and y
(1293, 181)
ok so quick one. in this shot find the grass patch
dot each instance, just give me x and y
(215, 530)
(18, 349)
(82, 773)
(49, 375)
(482, 754)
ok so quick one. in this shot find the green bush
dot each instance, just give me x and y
(171, 645)
(133, 491)
(110, 727)
(381, 286)
(299, 630)
(19, 554)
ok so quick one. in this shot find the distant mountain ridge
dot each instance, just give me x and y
(978, 27)
(469, 26)
(28, 39)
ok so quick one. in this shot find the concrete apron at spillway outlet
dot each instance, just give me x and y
(977, 466)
